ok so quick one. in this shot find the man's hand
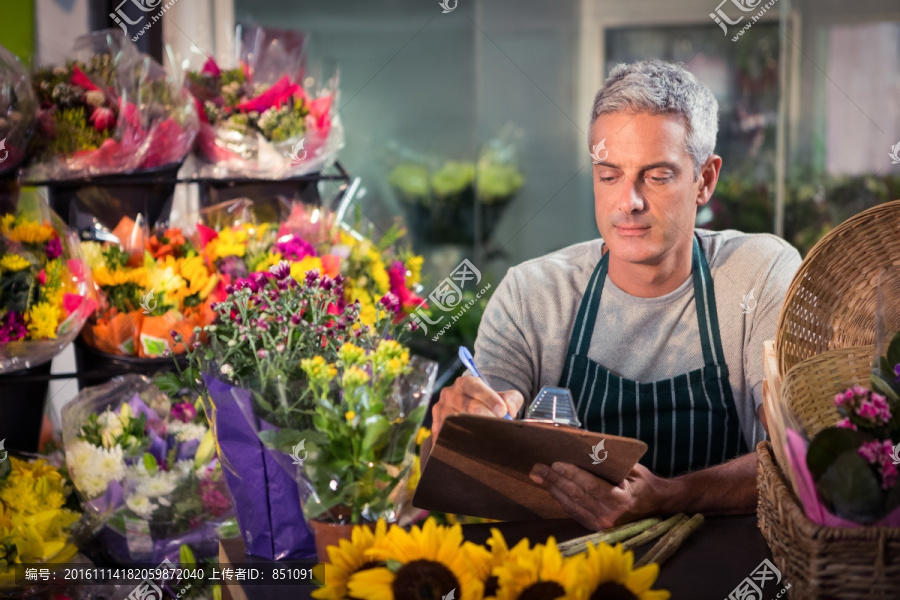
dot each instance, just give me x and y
(726, 489)
(594, 502)
(470, 395)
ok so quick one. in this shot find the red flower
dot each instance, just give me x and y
(211, 68)
(276, 95)
(103, 118)
(42, 277)
(81, 80)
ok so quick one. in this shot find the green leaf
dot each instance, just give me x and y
(892, 500)
(150, 463)
(375, 436)
(828, 445)
(893, 353)
(283, 439)
(186, 557)
(883, 387)
(849, 485)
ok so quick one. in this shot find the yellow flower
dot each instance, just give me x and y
(229, 242)
(345, 559)
(93, 254)
(540, 569)
(194, 272)
(318, 370)
(350, 415)
(43, 319)
(304, 265)
(350, 354)
(423, 434)
(354, 377)
(378, 272)
(28, 232)
(392, 356)
(106, 278)
(413, 270)
(13, 263)
(609, 570)
(433, 559)
(269, 259)
(6, 222)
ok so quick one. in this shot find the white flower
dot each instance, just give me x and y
(226, 368)
(92, 468)
(163, 501)
(141, 505)
(160, 484)
(111, 428)
(184, 432)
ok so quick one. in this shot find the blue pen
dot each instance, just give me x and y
(466, 357)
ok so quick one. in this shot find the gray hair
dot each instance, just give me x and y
(657, 87)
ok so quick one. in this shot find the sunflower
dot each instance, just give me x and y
(539, 573)
(609, 573)
(13, 263)
(345, 559)
(426, 563)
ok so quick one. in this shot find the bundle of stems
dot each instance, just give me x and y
(666, 547)
(633, 535)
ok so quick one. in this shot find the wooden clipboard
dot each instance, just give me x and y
(479, 466)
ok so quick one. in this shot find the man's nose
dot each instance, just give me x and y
(631, 200)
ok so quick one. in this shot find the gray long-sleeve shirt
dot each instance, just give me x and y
(524, 335)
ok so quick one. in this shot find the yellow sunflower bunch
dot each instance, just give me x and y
(25, 231)
(32, 517)
(182, 277)
(434, 561)
(12, 263)
(106, 277)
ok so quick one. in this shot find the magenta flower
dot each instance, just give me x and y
(871, 451)
(184, 412)
(294, 248)
(53, 249)
(12, 327)
(846, 424)
(391, 302)
(213, 499)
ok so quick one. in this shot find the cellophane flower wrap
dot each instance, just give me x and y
(17, 108)
(267, 116)
(46, 290)
(36, 515)
(151, 286)
(255, 370)
(109, 109)
(144, 463)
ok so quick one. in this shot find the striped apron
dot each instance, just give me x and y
(688, 422)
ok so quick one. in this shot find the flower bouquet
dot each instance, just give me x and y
(847, 475)
(17, 108)
(35, 517)
(151, 285)
(433, 561)
(258, 118)
(146, 465)
(254, 367)
(46, 293)
(110, 109)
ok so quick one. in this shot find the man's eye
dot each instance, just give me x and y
(659, 178)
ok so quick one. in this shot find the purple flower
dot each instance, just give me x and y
(232, 266)
(12, 327)
(897, 371)
(281, 271)
(53, 249)
(391, 302)
(184, 412)
(294, 248)
(312, 277)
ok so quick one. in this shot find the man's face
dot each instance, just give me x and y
(645, 195)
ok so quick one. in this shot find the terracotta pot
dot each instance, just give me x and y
(329, 534)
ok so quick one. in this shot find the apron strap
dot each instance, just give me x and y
(704, 298)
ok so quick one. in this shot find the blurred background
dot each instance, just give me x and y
(467, 120)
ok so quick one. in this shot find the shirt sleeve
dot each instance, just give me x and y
(502, 349)
(764, 322)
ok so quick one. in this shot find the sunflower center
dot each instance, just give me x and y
(612, 591)
(543, 590)
(424, 580)
(491, 586)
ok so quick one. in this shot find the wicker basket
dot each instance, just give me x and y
(831, 301)
(809, 388)
(823, 562)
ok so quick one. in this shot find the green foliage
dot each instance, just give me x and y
(74, 133)
(115, 257)
(18, 291)
(850, 486)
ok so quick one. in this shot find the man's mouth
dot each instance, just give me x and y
(632, 229)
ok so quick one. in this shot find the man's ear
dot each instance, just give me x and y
(709, 176)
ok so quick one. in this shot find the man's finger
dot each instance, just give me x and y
(585, 480)
(513, 400)
(478, 389)
(578, 512)
(476, 406)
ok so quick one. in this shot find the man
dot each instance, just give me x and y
(672, 354)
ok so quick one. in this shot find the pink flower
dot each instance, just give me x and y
(81, 80)
(211, 68)
(103, 118)
(276, 95)
(42, 277)
(184, 412)
(846, 424)
(213, 499)
(871, 451)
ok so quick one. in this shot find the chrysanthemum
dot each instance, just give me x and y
(29, 232)
(43, 319)
(13, 262)
(424, 563)
(345, 559)
(539, 573)
(609, 573)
